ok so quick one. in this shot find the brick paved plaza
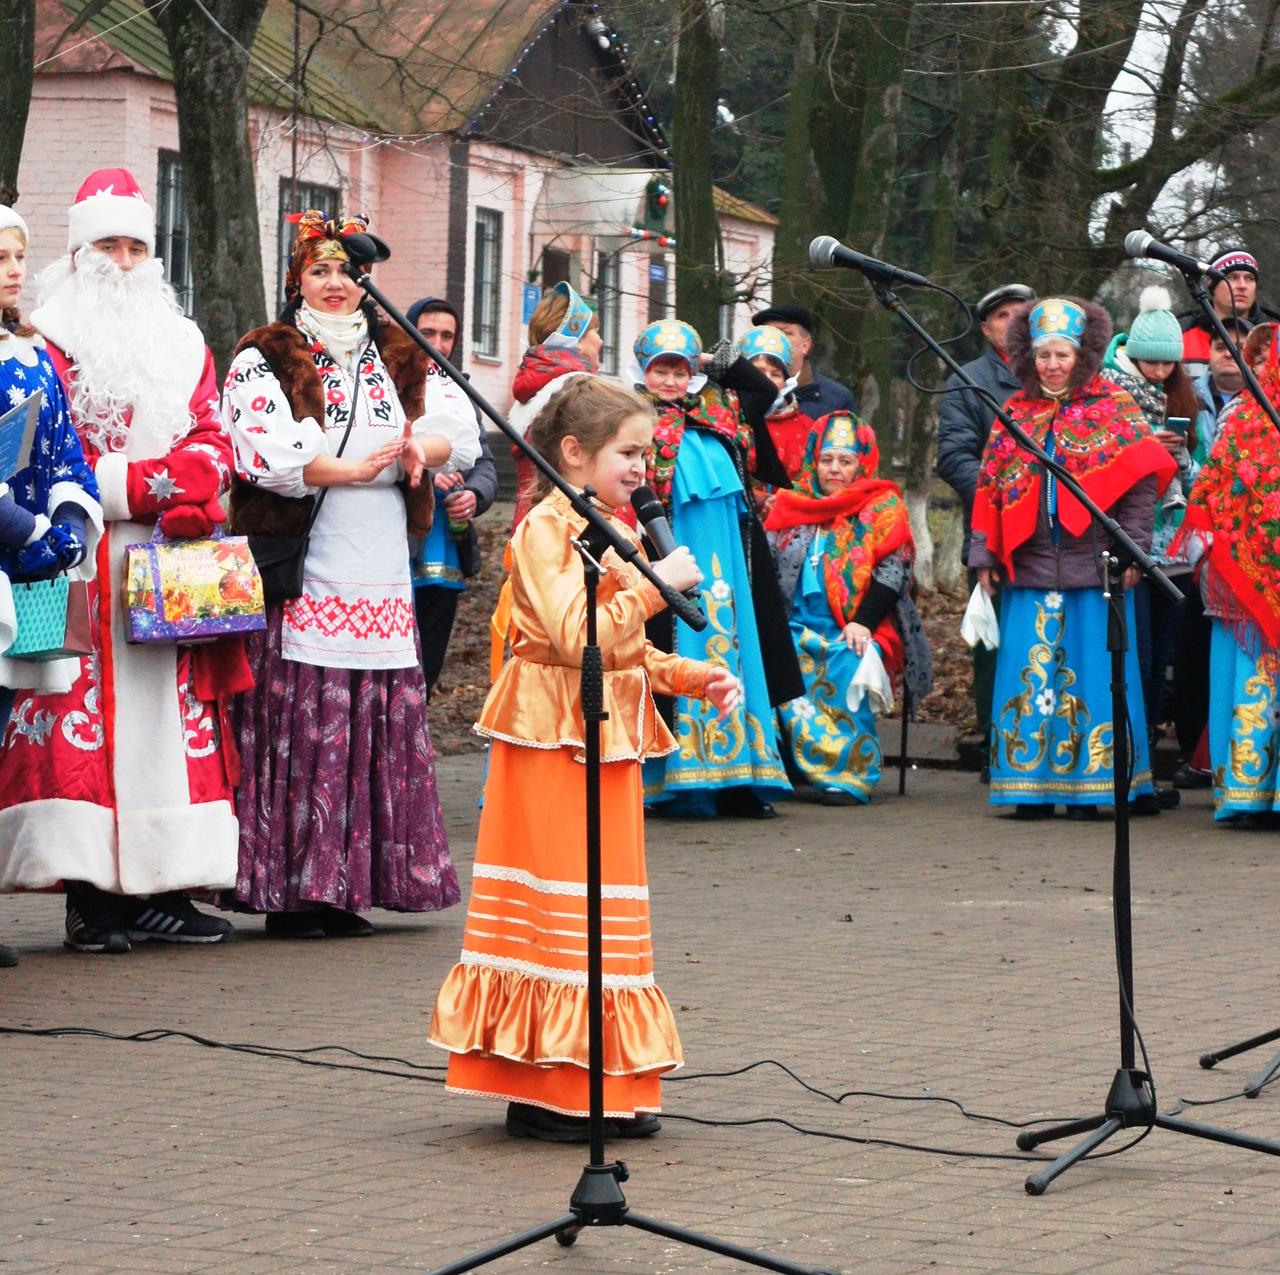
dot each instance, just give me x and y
(920, 946)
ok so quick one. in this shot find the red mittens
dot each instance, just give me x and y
(191, 522)
(182, 478)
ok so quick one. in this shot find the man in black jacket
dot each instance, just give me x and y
(964, 423)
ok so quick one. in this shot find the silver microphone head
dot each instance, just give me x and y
(822, 251)
(1136, 243)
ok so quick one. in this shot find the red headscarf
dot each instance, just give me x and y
(868, 521)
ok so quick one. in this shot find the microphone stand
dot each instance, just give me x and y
(1130, 1103)
(597, 1200)
(1195, 286)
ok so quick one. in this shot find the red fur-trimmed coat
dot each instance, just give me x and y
(126, 780)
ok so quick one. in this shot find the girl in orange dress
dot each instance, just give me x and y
(513, 1011)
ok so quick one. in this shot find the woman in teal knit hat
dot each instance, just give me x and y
(1147, 363)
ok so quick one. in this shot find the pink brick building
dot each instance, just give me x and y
(522, 167)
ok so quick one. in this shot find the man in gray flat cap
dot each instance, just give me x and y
(964, 423)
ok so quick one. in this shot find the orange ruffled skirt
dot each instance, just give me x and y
(513, 1011)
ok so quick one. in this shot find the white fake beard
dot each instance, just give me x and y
(124, 322)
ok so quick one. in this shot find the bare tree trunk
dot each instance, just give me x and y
(17, 69)
(697, 232)
(795, 210)
(210, 71)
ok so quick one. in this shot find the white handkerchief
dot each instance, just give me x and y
(870, 680)
(980, 623)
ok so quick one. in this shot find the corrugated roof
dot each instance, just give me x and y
(397, 66)
(728, 205)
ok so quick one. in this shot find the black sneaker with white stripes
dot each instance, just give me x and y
(96, 919)
(92, 935)
(172, 918)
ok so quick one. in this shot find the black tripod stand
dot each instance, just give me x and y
(597, 1200)
(1130, 1102)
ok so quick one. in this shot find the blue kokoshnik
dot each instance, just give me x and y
(1244, 725)
(1052, 738)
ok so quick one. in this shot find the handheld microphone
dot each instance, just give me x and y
(827, 253)
(653, 518)
(1138, 243)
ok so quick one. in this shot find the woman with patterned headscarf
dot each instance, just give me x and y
(337, 799)
(843, 545)
(1232, 530)
(1052, 733)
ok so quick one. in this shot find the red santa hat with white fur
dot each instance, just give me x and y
(110, 202)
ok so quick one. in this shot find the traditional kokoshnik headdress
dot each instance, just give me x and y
(841, 434)
(1056, 317)
(577, 319)
(768, 342)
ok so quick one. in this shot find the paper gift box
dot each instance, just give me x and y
(192, 591)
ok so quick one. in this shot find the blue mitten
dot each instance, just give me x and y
(68, 526)
(39, 560)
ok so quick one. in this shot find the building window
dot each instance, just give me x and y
(657, 289)
(173, 234)
(487, 301)
(609, 300)
(307, 196)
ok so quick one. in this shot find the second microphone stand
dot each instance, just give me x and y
(597, 1200)
(1130, 1102)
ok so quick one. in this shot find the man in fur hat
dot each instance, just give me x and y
(121, 789)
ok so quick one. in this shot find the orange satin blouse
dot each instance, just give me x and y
(535, 698)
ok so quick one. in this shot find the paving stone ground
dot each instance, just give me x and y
(921, 947)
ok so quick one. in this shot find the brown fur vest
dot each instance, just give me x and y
(257, 512)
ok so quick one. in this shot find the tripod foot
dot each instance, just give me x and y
(1037, 1182)
(567, 1237)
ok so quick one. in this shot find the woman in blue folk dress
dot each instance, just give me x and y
(843, 545)
(1052, 732)
(1232, 530)
(700, 463)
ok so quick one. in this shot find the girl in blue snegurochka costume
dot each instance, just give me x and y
(842, 541)
(1053, 737)
(700, 466)
(50, 519)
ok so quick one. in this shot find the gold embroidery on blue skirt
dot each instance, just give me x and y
(1254, 717)
(1046, 693)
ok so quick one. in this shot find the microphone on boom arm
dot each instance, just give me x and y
(1138, 243)
(828, 253)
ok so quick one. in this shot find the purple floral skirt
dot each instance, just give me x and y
(337, 798)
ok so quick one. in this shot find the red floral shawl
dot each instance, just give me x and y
(1103, 440)
(1236, 498)
(542, 364)
(660, 462)
(868, 521)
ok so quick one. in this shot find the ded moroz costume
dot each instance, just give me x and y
(123, 785)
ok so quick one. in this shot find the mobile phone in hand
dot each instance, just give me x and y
(1178, 425)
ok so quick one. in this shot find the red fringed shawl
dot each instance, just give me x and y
(1103, 440)
(868, 521)
(1236, 499)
